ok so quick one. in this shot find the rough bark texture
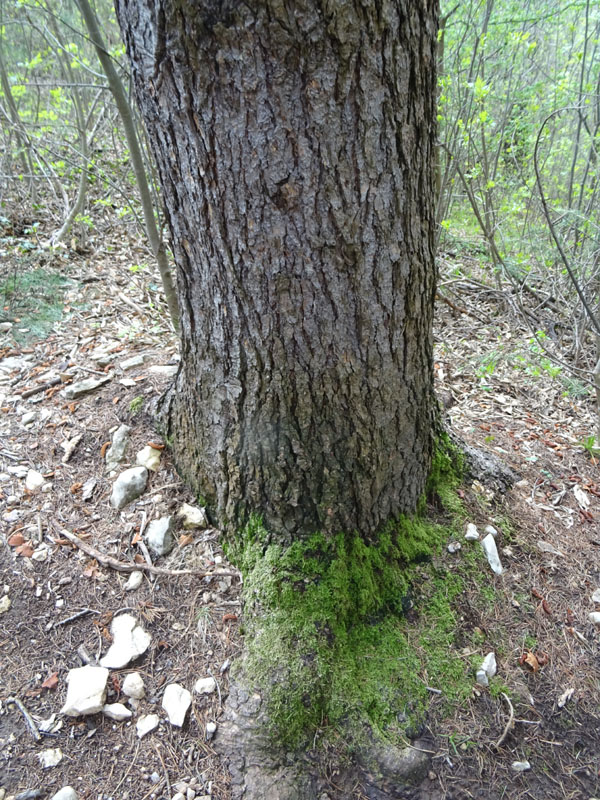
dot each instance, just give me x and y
(295, 148)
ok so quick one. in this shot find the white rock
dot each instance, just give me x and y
(130, 363)
(40, 553)
(46, 725)
(546, 547)
(34, 480)
(489, 529)
(130, 640)
(86, 691)
(159, 536)
(50, 758)
(178, 796)
(520, 766)
(4, 604)
(176, 701)
(20, 470)
(205, 686)
(116, 711)
(211, 728)
(28, 417)
(134, 581)
(594, 617)
(85, 387)
(482, 678)
(193, 516)
(471, 534)
(163, 369)
(66, 793)
(146, 724)
(130, 484)
(454, 547)
(116, 452)
(489, 548)
(596, 596)
(133, 686)
(190, 794)
(488, 668)
(148, 457)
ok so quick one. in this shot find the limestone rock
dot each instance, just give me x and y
(116, 452)
(133, 686)
(489, 548)
(130, 363)
(85, 387)
(130, 641)
(193, 516)
(596, 596)
(148, 457)
(34, 480)
(129, 485)
(176, 701)
(116, 711)
(159, 536)
(471, 533)
(146, 724)
(205, 686)
(66, 793)
(134, 581)
(487, 670)
(86, 691)
(594, 616)
(50, 758)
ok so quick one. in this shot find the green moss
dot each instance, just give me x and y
(136, 405)
(328, 639)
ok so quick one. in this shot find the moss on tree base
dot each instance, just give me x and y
(329, 644)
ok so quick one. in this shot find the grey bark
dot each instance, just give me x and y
(294, 144)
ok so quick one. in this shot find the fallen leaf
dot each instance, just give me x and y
(104, 448)
(537, 593)
(542, 658)
(16, 539)
(529, 660)
(565, 697)
(75, 487)
(570, 616)
(546, 607)
(116, 684)
(136, 538)
(185, 539)
(72, 407)
(229, 617)
(156, 445)
(51, 681)
(25, 550)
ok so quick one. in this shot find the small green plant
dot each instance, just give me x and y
(588, 445)
(136, 405)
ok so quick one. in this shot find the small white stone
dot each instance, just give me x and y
(454, 547)
(489, 529)
(146, 724)
(134, 581)
(86, 691)
(205, 686)
(28, 417)
(130, 641)
(66, 793)
(594, 617)
(50, 758)
(190, 794)
(596, 596)
(130, 484)
(192, 516)
(148, 457)
(116, 711)
(116, 452)
(166, 369)
(34, 480)
(482, 678)
(489, 548)
(159, 536)
(176, 701)
(520, 766)
(133, 686)
(4, 604)
(211, 728)
(178, 796)
(471, 533)
(130, 363)
(489, 665)
(40, 553)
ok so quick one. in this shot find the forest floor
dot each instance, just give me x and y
(66, 308)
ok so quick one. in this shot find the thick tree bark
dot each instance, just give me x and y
(295, 148)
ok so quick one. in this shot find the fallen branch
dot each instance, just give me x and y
(41, 388)
(121, 566)
(28, 718)
(510, 722)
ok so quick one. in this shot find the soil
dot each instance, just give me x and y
(547, 709)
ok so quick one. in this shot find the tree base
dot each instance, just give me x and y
(260, 769)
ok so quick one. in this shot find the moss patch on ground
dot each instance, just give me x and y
(35, 296)
(328, 638)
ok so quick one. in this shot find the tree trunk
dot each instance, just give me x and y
(295, 146)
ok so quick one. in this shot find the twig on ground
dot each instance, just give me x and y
(168, 782)
(28, 718)
(77, 615)
(510, 722)
(120, 566)
(41, 388)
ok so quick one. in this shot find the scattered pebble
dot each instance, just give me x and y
(116, 711)
(176, 701)
(50, 758)
(34, 480)
(146, 724)
(159, 536)
(211, 728)
(133, 686)
(66, 793)
(454, 547)
(130, 363)
(520, 766)
(205, 686)
(86, 692)
(130, 641)
(489, 548)
(487, 669)
(116, 452)
(489, 529)
(85, 387)
(546, 547)
(130, 484)
(193, 516)
(148, 457)
(134, 581)
(594, 616)
(4, 604)
(596, 596)
(471, 533)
